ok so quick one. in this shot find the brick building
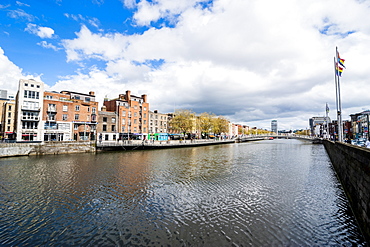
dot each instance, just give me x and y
(69, 116)
(132, 115)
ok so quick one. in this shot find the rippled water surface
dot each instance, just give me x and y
(266, 193)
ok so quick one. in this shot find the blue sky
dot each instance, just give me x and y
(251, 61)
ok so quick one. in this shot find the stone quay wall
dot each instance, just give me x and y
(42, 148)
(352, 166)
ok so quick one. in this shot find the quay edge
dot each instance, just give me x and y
(352, 167)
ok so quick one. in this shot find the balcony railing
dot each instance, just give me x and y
(30, 118)
(30, 108)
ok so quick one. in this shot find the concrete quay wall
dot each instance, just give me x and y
(22, 149)
(352, 166)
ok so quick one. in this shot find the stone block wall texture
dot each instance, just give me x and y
(352, 166)
(19, 149)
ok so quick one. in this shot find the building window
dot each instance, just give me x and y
(38, 86)
(135, 114)
(94, 110)
(77, 117)
(10, 108)
(144, 129)
(8, 121)
(135, 107)
(65, 108)
(135, 121)
(8, 128)
(144, 114)
(32, 85)
(9, 114)
(105, 119)
(104, 127)
(52, 107)
(124, 113)
(31, 94)
(135, 129)
(88, 109)
(77, 108)
(26, 84)
(113, 128)
(65, 117)
(113, 120)
(144, 121)
(144, 108)
(76, 126)
(123, 121)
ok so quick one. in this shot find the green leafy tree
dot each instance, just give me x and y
(183, 121)
(205, 122)
(220, 125)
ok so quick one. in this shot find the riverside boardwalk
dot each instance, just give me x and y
(149, 144)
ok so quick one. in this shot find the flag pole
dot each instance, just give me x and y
(338, 100)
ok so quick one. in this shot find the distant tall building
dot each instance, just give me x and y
(274, 126)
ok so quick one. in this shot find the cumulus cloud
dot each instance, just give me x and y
(42, 32)
(250, 60)
(10, 74)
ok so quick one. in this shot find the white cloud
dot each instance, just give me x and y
(48, 45)
(42, 32)
(250, 60)
(22, 4)
(20, 14)
(10, 74)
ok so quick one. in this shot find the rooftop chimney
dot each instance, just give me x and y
(128, 95)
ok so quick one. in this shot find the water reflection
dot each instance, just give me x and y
(280, 192)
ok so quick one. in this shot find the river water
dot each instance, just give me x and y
(265, 193)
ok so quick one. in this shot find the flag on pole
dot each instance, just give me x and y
(341, 61)
(339, 70)
(327, 108)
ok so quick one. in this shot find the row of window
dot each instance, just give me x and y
(129, 114)
(53, 107)
(156, 117)
(31, 94)
(32, 85)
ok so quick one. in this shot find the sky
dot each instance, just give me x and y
(251, 61)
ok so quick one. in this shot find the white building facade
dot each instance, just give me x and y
(29, 108)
